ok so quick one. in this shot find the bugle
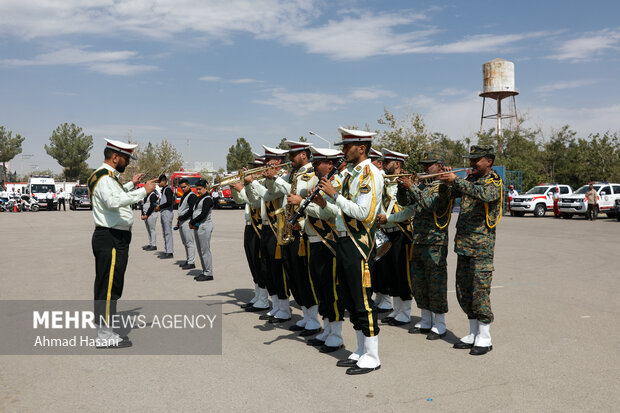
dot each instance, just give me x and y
(238, 177)
(423, 176)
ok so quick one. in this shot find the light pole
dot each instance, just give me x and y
(318, 136)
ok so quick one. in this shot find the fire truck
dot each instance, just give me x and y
(192, 178)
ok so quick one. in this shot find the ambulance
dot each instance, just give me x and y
(38, 187)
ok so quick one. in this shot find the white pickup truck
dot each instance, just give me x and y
(577, 204)
(537, 200)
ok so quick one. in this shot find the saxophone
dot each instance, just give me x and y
(284, 230)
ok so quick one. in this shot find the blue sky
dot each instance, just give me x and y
(213, 71)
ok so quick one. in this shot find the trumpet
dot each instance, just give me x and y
(238, 177)
(423, 176)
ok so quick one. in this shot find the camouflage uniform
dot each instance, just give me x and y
(431, 203)
(475, 241)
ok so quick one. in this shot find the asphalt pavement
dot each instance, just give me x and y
(555, 297)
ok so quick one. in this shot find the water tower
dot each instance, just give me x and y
(499, 84)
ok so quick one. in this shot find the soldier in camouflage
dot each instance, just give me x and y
(432, 204)
(481, 203)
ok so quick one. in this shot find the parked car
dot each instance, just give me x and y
(80, 198)
(617, 209)
(537, 200)
(577, 204)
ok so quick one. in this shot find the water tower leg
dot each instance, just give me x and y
(482, 116)
(499, 116)
(514, 104)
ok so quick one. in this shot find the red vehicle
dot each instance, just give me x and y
(192, 177)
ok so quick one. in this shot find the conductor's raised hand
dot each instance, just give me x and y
(149, 186)
(327, 187)
(135, 180)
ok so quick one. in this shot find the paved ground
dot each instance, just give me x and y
(556, 301)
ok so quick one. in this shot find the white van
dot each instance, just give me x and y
(577, 204)
(38, 186)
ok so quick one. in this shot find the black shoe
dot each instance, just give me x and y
(203, 277)
(276, 320)
(146, 247)
(265, 317)
(386, 320)
(346, 363)
(252, 309)
(188, 267)
(361, 370)
(295, 327)
(315, 342)
(166, 256)
(462, 346)
(479, 351)
(307, 333)
(124, 342)
(329, 349)
(383, 310)
(151, 248)
(394, 322)
(419, 330)
(247, 305)
(434, 336)
(183, 264)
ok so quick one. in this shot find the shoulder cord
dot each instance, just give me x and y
(446, 212)
(501, 201)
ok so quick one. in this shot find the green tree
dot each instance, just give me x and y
(71, 148)
(455, 150)
(557, 163)
(408, 136)
(154, 160)
(239, 155)
(10, 146)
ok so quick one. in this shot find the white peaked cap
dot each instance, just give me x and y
(121, 147)
(374, 154)
(353, 135)
(294, 146)
(325, 153)
(273, 152)
(390, 155)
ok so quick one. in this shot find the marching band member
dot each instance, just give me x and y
(474, 244)
(166, 215)
(251, 241)
(186, 206)
(433, 207)
(271, 252)
(395, 264)
(376, 157)
(150, 220)
(294, 254)
(356, 227)
(320, 227)
(202, 225)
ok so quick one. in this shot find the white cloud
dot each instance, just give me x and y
(569, 84)
(588, 46)
(302, 103)
(244, 81)
(352, 35)
(211, 79)
(108, 62)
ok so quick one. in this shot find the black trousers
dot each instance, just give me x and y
(61, 201)
(272, 268)
(251, 245)
(355, 298)
(396, 266)
(111, 251)
(381, 277)
(591, 212)
(322, 266)
(50, 205)
(297, 274)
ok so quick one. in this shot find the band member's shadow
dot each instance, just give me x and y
(235, 297)
(179, 262)
(450, 337)
(194, 273)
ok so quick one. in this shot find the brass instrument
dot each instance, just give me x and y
(284, 229)
(423, 176)
(238, 177)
